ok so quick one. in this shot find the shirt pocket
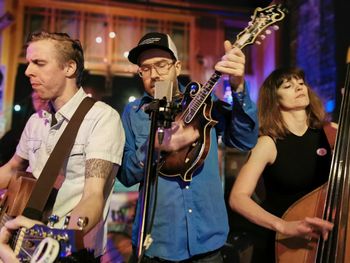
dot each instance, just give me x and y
(33, 148)
(141, 128)
(77, 151)
(34, 145)
(76, 162)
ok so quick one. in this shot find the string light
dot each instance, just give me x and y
(17, 107)
(98, 40)
(112, 34)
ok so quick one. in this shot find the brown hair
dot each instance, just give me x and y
(67, 48)
(270, 118)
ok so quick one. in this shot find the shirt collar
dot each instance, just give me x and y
(68, 109)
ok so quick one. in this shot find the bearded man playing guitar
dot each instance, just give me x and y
(190, 221)
(55, 68)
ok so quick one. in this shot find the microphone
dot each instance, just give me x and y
(163, 89)
(164, 93)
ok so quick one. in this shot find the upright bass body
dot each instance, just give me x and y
(298, 249)
(301, 250)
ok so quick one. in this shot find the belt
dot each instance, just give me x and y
(147, 259)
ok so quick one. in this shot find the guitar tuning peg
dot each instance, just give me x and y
(268, 31)
(250, 23)
(262, 37)
(275, 27)
(258, 42)
(66, 222)
(52, 220)
(82, 222)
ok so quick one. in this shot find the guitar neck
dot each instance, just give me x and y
(4, 219)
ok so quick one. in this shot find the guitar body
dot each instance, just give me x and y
(15, 198)
(186, 160)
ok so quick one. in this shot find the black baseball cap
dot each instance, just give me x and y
(150, 41)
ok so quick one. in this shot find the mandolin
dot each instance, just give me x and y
(198, 105)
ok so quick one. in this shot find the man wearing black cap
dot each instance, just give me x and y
(190, 221)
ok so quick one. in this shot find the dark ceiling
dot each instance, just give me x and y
(189, 4)
(233, 3)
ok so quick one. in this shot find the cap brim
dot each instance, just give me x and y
(136, 51)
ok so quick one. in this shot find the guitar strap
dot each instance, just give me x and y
(42, 189)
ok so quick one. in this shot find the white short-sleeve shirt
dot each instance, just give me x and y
(100, 136)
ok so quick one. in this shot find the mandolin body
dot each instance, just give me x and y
(185, 161)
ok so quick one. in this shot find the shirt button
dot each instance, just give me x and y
(187, 187)
(243, 104)
(190, 210)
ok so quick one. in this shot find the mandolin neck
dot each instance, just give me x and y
(202, 95)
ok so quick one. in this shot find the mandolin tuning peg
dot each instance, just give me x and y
(275, 27)
(268, 31)
(250, 23)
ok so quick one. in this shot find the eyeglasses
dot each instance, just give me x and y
(161, 67)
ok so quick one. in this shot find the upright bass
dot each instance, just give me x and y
(330, 202)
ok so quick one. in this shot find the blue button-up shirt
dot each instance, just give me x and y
(190, 217)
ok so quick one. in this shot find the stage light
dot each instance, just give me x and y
(132, 98)
(330, 105)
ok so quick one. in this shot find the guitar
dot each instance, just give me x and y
(198, 105)
(39, 242)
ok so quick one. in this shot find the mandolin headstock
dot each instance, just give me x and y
(262, 19)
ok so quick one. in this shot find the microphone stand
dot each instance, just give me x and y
(162, 114)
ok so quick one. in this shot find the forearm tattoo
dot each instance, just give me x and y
(98, 168)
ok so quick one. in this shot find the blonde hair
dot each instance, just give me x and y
(67, 48)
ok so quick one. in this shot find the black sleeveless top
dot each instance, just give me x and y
(302, 164)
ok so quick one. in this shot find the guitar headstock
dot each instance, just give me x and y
(261, 20)
(27, 240)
